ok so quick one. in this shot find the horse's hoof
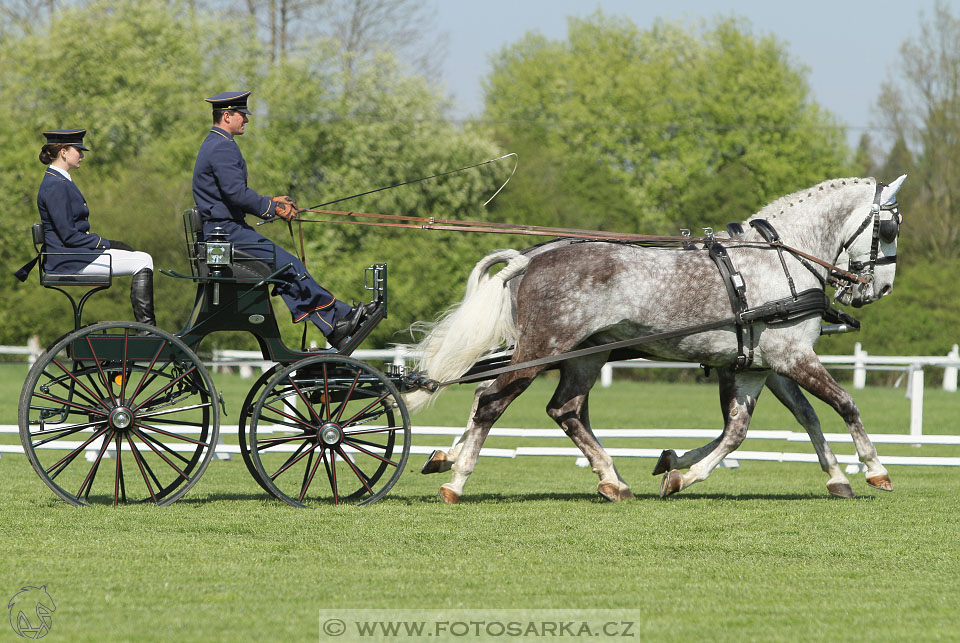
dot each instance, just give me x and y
(881, 482)
(666, 462)
(613, 492)
(672, 483)
(840, 489)
(436, 463)
(449, 496)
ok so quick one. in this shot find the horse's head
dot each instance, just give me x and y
(871, 247)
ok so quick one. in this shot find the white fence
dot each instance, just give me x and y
(911, 367)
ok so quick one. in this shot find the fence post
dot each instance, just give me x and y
(950, 372)
(859, 372)
(606, 375)
(34, 345)
(916, 400)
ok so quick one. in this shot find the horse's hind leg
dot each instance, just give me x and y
(440, 461)
(569, 408)
(789, 394)
(809, 373)
(670, 460)
(739, 396)
(490, 405)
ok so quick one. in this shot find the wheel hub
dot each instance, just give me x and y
(330, 434)
(121, 418)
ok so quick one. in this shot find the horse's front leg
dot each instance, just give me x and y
(490, 405)
(440, 461)
(809, 373)
(789, 394)
(738, 395)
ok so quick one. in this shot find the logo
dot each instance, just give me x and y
(30, 611)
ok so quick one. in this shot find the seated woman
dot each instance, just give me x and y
(64, 214)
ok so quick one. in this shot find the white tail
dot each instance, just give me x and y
(481, 322)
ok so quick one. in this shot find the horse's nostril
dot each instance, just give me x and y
(886, 290)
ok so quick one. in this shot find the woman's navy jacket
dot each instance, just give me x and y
(64, 214)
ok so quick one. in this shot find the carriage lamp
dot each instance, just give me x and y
(219, 251)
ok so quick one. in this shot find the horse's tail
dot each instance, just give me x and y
(482, 321)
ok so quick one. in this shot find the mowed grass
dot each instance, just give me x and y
(756, 553)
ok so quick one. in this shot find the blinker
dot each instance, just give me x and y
(891, 228)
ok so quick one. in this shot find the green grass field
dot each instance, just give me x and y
(756, 553)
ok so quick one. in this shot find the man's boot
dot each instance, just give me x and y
(141, 297)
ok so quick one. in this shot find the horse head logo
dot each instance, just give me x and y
(30, 611)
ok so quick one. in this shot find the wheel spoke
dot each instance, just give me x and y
(67, 459)
(272, 442)
(332, 474)
(146, 437)
(103, 376)
(63, 432)
(85, 409)
(192, 407)
(166, 387)
(356, 416)
(343, 404)
(308, 473)
(371, 453)
(148, 441)
(293, 460)
(170, 434)
(305, 400)
(88, 481)
(140, 464)
(360, 475)
(289, 417)
(118, 486)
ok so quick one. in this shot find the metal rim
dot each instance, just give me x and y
(329, 430)
(120, 391)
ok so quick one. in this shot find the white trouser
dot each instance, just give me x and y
(123, 262)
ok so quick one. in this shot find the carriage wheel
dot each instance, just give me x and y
(119, 412)
(245, 411)
(329, 429)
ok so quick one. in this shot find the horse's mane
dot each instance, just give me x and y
(827, 188)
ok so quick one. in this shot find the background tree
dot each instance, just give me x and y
(685, 125)
(920, 107)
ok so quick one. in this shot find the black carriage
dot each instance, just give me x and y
(125, 412)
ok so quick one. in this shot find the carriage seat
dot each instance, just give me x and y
(56, 279)
(243, 265)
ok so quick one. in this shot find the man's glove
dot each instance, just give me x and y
(286, 207)
(120, 245)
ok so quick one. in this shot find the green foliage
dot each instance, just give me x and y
(317, 133)
(682, 126)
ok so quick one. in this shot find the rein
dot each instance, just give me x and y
(453, 225)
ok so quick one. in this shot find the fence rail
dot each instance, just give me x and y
(912, 367)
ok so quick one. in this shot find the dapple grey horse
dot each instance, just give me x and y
(585, 294)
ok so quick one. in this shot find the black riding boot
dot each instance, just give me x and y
(141, 297)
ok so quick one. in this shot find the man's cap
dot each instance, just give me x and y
(233, 101)
(72, 137)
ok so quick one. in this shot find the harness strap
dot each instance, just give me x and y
(737, 292)
(593, 350)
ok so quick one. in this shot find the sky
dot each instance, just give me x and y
(850, 47)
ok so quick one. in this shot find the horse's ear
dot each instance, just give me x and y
(890, 191)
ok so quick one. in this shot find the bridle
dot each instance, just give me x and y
(882, 230)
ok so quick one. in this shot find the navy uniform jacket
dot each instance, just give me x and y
(223, 199)
(220, 182)
(64, 214)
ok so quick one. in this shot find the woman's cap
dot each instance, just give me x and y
(72, 137)
(233, 101)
